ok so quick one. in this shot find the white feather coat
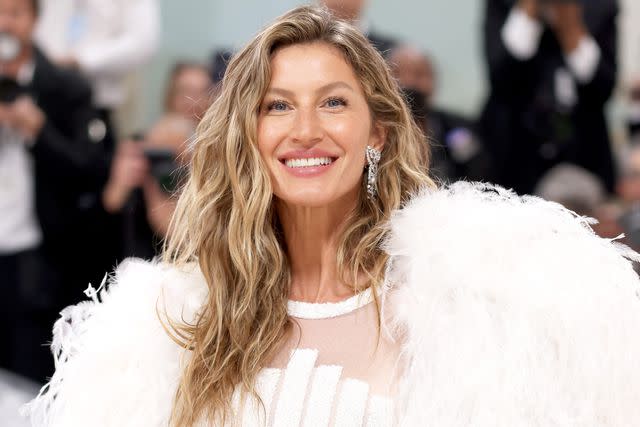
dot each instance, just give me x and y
(512, 313)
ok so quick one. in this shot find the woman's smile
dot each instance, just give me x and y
(308, 163)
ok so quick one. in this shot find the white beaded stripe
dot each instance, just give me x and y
(321, 395)
(379, 412)
(294, 388)
(307, 310)
(253, 414)
(352, 402)
(235, 404)
(325, 400)
(266, 383)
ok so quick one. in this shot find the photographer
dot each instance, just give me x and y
(138, 197)
(457, 153)
(51, 160)
(552, 67)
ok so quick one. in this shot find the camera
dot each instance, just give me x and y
(164, 168)
(162, 165)
(10, 90)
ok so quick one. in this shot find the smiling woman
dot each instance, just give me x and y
(315, 125)
(315, 276)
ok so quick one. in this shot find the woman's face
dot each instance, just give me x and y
(314, 125)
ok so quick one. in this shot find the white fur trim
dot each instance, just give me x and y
(513, 312)
(115, 364)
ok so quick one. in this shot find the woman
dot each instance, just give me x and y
(290, 293)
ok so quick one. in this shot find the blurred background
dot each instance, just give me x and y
(98, 101)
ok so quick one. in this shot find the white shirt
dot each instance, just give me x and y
(109, 39)
(19, 227)
(521, 35)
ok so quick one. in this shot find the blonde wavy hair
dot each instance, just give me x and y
(226, 221)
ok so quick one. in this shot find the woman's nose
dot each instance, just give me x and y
(307, 127)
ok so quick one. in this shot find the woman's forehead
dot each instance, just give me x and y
(310, 64)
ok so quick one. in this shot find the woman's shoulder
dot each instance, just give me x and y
(116, 361)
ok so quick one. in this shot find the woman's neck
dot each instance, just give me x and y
(312, 236)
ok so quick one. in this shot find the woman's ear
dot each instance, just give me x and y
(378, 136)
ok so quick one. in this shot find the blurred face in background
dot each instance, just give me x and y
(17, 19)
(314, 125)
(189, 92)
(345, 9)
(628, 187)
(413, 70)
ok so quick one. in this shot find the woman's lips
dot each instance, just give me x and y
(308, 167)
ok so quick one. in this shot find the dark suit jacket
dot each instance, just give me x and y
(71, 158)
(457, 153)
(522, 125)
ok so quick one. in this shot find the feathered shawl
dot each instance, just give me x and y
(511, 312)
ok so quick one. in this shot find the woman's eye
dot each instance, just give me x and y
(277, 106)
(336, 102)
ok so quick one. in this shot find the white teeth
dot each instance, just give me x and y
(305, 163)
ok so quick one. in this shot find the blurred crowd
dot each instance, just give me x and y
(77, 196)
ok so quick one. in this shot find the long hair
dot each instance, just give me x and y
(226, 221)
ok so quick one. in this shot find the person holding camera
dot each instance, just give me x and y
(552, 66)
(137, 198)
(51, 160)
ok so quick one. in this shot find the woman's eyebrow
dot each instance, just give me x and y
(334, 85)
(320, 90)
(280, 91)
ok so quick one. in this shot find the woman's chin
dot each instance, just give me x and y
(311, 198)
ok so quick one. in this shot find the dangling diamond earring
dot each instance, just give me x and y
(373, 158)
